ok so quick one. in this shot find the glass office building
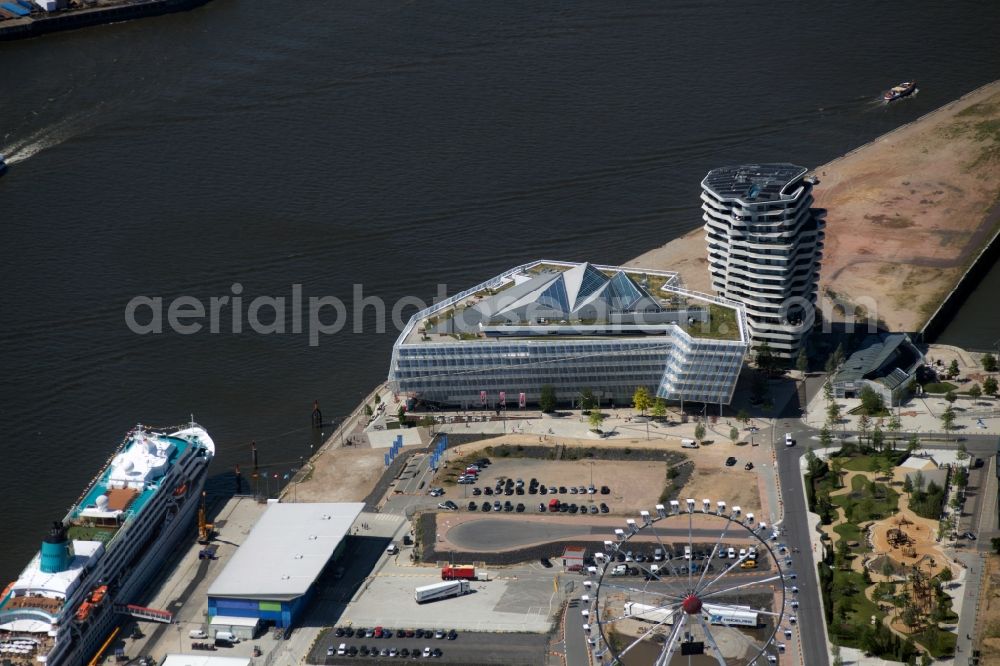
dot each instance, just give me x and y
(574, 326)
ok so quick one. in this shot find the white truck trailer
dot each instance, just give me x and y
(449, 588)
(741, 616)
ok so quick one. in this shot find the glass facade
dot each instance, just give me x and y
(673, 366)
(667, 361)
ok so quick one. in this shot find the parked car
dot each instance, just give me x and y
(748, 466)
(477, 491)
(604, 508)
(730, 461)
(594, 509)
(473, 506)
(486, 507)
(541, 507)
(497, 506)
(605, 490)
(448, 505)
(436, 492)
(519, 508)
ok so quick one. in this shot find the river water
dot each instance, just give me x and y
(393, 145)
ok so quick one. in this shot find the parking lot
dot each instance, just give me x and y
(520, 599)
(631, 485)
(466, 648)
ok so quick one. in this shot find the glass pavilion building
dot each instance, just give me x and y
(574, 326)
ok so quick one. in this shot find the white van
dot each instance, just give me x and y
(687, 552)
(342, 649)
(392, 549)
(689, 444)
(197, 634)
(788, 439)
(731, 553)
(227, 636)
(658, 555)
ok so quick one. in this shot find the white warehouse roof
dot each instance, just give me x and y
(204, 660)
(285, 551)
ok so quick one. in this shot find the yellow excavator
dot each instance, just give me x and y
(204, 528)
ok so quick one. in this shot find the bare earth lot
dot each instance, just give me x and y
(907, 213)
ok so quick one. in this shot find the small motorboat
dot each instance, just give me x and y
(900, 91)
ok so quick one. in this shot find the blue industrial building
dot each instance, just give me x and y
(271, 578)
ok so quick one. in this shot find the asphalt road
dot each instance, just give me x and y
(502, 534)
(811, 629)
(574, 639)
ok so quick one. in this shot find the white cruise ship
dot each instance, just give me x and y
(61, 609)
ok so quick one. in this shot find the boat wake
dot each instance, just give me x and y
(46, 137)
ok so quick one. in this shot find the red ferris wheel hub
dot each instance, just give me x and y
(691, 605)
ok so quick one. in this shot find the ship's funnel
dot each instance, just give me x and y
(56, 553)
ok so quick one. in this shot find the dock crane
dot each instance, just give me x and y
(204, 527)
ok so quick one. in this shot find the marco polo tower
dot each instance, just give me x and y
(764, 248)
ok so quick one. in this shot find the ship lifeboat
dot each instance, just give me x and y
(97, 596)
(83, 612)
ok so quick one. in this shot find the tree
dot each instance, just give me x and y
(825, 438)
(878, 438)
(871, 402)
(995, 545)
(641, 399)
(832, 414)
(961, 478)
(765, 358)
(951, 397)
(802, 362)
(843, 551)
(894, 426)
(907, 485)
(911, 616)
(699, 431)
(864, 425)
(990, 363)
(659, 408)
(953, 369)
(990, 386)
(734, 434)
(948, 420)
(828, 391)
(962, 454)
(596, 418)
(743, 416)
(368, 409)
(975, 392)
(918, 481)
(837, 467)
(587, 401)
(401, 414)
(913, 443)
(378, 399)
(547, 399)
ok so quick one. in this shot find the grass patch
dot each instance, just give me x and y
(870, 463)
(722, 324)
(867, 501)
(852, 609)
(938, 642)
(939, 387)
(851, 532)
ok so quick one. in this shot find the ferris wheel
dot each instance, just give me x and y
(688, 584)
